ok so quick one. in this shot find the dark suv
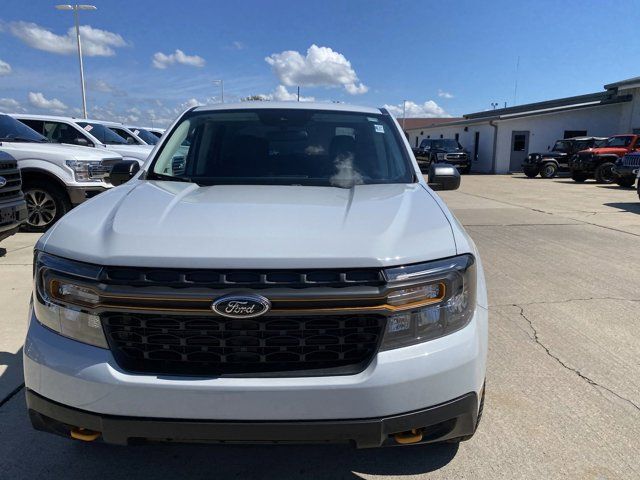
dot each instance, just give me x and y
(558, 159)
(442, 150)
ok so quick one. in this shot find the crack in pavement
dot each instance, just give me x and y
(12, 394)
(536, 338)
(568, 300)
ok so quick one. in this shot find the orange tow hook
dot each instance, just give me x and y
(411, 436)
(84, 434)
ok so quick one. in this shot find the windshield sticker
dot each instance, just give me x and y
(379, 128)
(88, 128)
(136, 132)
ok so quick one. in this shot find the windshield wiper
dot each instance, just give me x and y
(22, 139)
(170, 178)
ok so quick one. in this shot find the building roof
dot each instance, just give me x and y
(628, 83)
(424, 122)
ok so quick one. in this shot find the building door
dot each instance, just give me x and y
(519, 150)
(476, 146)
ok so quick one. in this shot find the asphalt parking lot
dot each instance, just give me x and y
(563, 388)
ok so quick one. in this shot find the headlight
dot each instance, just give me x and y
(85, 171)
(63, 298)
(446, 293)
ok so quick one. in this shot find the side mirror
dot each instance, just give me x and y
(123, 171)
(443, 176)
(131, 141)
(82, 142)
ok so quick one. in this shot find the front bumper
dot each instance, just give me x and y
(456, 418)
(624, 171)
(12, 215)
(402, 380)
(78, 194)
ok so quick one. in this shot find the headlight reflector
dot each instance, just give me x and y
(88, 171)
(63, 304)
(448, 287)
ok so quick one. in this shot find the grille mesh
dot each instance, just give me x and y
(9, 171)
(192, 345)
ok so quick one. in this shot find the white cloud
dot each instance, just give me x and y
(95, 42)
(427, 109)
(443, 94)
(162, 60)
(103, 86)
(238, 45)
(10, 105)
(320, 67)
(38, 100)
(281, 94)
(5, 68)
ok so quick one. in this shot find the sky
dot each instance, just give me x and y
(146, 61)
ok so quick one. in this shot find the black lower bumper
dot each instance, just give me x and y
(11, 217)
(453, 419)
(624, 171)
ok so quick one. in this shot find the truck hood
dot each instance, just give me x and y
(609, 151)
(129, 152)
(22, 150)
(182, 225)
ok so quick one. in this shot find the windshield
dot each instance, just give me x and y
(102, 133)
(446, 144)
(284, 147)
(561, 146)
(623, 141)
(11, 130)
(148, 137)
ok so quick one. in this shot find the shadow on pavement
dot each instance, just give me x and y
(12, 378)
(633, 207)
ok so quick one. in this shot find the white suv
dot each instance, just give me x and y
(54, 177)
(88, 133)
(278, 272)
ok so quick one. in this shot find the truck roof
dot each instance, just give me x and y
(334, 107)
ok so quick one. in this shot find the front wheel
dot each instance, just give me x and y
(604, 173)
(531, 172)
(626, 182)
(46, 204)
(466, 170)
(549, 170)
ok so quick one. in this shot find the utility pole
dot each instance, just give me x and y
(221, 83)
(298, 92)
(75, 9)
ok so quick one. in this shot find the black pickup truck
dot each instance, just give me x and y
(558, 159)
(13, 208)
(442, 150)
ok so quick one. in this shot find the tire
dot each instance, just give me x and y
(626, 182)
(604, 173)
(466, 170)
(468, 437)
(579, 177)
(549, 170)
(46, 204)
(531, 173)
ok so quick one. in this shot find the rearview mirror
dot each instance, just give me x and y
(443, 176)
(123, 171)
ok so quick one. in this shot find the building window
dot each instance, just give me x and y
(441, 136)
(519, 143)
(575, 133)
(636, 131)
(457, 137)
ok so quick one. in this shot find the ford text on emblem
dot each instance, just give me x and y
(3, 182)
(241, 306)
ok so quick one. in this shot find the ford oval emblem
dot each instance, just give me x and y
(241, 306)
(3, 182)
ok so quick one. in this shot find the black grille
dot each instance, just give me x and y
(271, 346)
(254, 279)
(9, 171)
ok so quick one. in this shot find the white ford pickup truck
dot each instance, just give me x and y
(277, 272)
(54, 177)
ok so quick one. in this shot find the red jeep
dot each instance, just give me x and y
(599, 162)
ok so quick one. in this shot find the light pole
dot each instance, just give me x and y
(75, 9)
(221, 83)
(404, 112)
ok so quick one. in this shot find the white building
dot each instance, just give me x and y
(499, 140)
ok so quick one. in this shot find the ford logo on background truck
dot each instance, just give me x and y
(3, 182)
(241, 306)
